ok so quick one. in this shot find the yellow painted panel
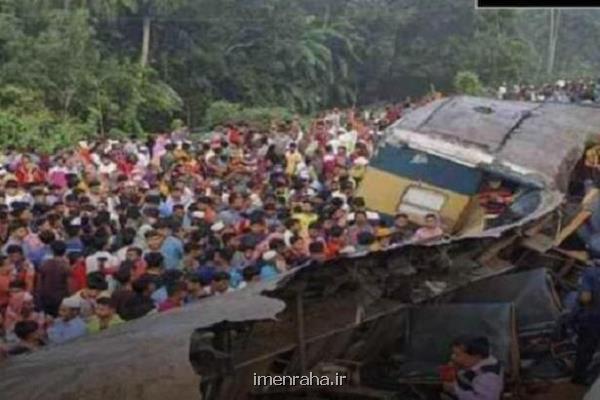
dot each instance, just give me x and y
(382, 192)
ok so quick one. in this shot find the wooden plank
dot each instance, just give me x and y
(537, 228)
(540, 243)
(590, 197)
(582, 256)
(535, 240)
(496, 248)
(582, 216)
(575, 223)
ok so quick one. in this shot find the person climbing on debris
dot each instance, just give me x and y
(587, 322)
(592, 163)
(479, 375)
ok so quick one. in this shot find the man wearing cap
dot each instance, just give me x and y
(69, 325)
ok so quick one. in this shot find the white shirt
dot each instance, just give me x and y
(92, 264)
(348, 139)
(19, 197)
(334, 143)
(107, 169)
(121, 254)
(335, 119)
(58, 168)
(143, 159)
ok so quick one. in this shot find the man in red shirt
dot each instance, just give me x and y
(28, 172)
(5, 279)
(335, 243)
(233, 135)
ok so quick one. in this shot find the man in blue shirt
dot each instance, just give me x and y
(69, 325)
(587, 321)
(268, 271)
(222, 261)
(171, 248)
(73, 241)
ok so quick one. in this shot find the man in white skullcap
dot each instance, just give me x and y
(69, 325)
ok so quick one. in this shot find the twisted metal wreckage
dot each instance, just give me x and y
(386, 318)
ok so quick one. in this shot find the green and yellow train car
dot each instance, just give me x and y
(403, 180)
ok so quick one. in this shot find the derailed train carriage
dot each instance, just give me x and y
(384, 319)
(438, 158)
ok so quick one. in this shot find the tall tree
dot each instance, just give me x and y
(146, 10)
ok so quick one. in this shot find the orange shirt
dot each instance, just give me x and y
(332, 249)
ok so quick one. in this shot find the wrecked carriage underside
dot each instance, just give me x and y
(344, 316)
(338, 307)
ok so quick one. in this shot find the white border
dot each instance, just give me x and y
(534, 8)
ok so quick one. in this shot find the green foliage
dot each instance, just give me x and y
(221, 112)
(127, 97)
(263, 116)
(40, 130)
(467, 82)
(71, 68)
(26, 122)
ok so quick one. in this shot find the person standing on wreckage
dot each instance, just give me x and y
(587, 321)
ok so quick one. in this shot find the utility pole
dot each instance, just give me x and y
(553, 39)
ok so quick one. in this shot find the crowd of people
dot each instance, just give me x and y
(111, 231)
(563, 91)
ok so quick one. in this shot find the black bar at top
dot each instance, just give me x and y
(538, 3)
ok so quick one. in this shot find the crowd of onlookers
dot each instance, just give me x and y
(563, 91)
(111, 231)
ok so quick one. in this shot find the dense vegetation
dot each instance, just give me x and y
(74, 68)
